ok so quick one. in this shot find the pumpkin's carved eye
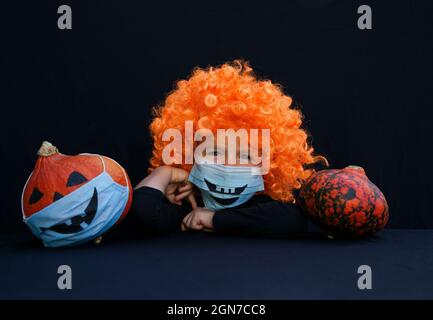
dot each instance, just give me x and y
(35, 196)
(75, 178)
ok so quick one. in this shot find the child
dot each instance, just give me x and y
(215, 194)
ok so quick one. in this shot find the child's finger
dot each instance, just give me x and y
(195, 224)
(171, 188)
(186, 187)
(191, 222)
(182, 195)
(186, 221)
(183, 226)
(172, 199)
(192, 200)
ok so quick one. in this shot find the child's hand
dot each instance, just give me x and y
(173, 182)
(198, 219)
(178, 175)
(180, 188)
(175, 192)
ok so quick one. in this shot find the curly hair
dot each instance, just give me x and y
(231, 96)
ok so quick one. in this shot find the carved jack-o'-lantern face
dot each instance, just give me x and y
(57, 175)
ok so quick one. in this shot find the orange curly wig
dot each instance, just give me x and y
(230, 96)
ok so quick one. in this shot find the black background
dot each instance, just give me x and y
(366, 94)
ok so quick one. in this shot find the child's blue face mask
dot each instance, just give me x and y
(82, 215)
(226, 186)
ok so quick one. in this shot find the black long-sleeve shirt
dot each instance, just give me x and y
(260, 216)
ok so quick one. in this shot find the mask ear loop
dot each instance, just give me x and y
(22, 196)
(104, 168)
(103, 163)
(98, 240)
(100, 158)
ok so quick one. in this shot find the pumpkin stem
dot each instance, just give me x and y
(321, 159)
(47, 149)
(358, 169)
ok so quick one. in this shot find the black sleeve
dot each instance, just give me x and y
(154, 214)
(269, 219)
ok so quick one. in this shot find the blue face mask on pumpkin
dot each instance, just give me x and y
(82, 215)
(226, 186)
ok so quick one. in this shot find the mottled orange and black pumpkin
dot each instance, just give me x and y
(344, 202)
(56, 175)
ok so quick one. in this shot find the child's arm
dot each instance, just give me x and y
(151, 212)
(269, 219)
(157, 179)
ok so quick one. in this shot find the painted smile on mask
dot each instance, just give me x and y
(225, 202)
(224, 190)
(73, 225)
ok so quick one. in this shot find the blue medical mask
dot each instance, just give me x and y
(82, 215)
(226, 186)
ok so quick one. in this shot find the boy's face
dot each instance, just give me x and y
(227, 179)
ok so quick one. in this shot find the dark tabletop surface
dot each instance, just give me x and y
(212, 266)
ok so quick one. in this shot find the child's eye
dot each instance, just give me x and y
(214, 153)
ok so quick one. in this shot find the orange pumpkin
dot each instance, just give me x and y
(344, 202)
(55, 175)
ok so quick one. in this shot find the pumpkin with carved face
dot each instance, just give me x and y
(69, 200)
